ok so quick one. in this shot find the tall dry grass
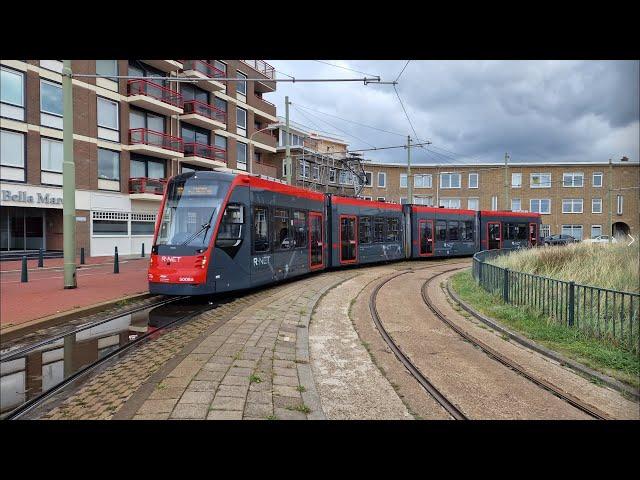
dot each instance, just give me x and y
(607, 266)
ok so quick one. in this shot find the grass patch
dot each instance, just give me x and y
(609, 359)
(254, 379)
(301, 388)
(615, 266)
(300, 408)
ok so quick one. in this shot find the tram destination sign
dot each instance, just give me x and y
(24, 197)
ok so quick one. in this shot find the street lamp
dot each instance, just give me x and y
(270, 127)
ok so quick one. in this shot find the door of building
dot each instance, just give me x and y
(315, 239)
(22, 229)
(495, 239)
(348, 239)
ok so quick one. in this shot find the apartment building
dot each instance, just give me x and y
(318, 162)
(572, 197)
(130, 135)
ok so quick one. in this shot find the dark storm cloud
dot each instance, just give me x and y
(535, 110)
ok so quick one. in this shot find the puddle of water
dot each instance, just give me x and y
(37, 371)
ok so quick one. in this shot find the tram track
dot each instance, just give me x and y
(506, 361)
(86, 371)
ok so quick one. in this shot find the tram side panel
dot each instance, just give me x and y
(440, 232)
(508, 230)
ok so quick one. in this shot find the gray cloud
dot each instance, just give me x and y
(535, 110)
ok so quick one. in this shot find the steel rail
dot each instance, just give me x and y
(509, 363)
(451, 409)
(38, 400)
(11, 355)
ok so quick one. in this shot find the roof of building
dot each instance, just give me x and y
(497, 164)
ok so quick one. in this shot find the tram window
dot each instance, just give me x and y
(230, 234)
(282, 236)
(453, 230)
(260, 230)
(365, 229)
(378, 229)
(441, 231)
(467, 231)
(393, 234)
(300, 229)
(515, 231)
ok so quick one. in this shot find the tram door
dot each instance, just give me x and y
(495, 240)
(348, 239)
(315, 239)
(533, 234)
(426, 237)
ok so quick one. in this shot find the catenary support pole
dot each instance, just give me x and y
(409, 181)
(287, 142)
(506, 183)
(68, 180)
(610, 201)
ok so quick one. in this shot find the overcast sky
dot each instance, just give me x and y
(475, 111)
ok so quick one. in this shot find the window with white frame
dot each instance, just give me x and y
(596, 180)
(316, 172)
(540, 180)
(108, 120)
(143, 224)
(619, 204)
(473, 180)
(573, 179)
(241, 86)
(51, 155)
(473, 204)
(494, 203)
(220, 142)
(380, 199)
(109, 165)
(12, 155)
(516, 180)
(285, 170)
(107, 68)
(450, 202)
(571, 205)
(241, 156)
(368, 179)
(574, 230)
(332, 175)
(304, 169)
(540, 205)
(596, 231)
(422, 180)
(421, 200)
(450, 180)
(11, 94)
(545, 230)
(403, 180)
(110, 224)
(51, 104)
(596, 205)
(241, 121)
(516, 205)
(382, 180)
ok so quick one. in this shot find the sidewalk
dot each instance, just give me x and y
(44, 294)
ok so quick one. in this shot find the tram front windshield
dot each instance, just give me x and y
(190, 211)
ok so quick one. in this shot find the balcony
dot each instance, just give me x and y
(264, 169)
(165, 65)
(204, 155)
(204, 71)
(266, 70)
(264, 138)
(143, 188)
(154, 97)
(157, 144)
(267, 110)
(204, 115)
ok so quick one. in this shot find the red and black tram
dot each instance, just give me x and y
(219, 232)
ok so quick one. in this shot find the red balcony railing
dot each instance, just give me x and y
(262, 67)
(147, 185)
(206, 110)
(155, 139)
(205, 151)
(153, 90)
(204, 68)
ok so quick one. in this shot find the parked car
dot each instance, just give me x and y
(558, 240)
(602, 239)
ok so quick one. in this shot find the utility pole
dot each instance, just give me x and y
(610, 201)
(287, 143)
(68, 180)
(409, 182)
(506, 183)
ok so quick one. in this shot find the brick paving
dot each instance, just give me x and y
(254, 367)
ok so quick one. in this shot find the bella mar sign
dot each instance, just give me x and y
(37, 198)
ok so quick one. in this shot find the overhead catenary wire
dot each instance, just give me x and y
(346, 68)
(402, 71)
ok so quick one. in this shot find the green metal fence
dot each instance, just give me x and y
(607, 314)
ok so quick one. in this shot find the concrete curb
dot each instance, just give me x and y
(14, 331)
(572, 364)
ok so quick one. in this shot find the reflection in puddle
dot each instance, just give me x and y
(39, 370)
